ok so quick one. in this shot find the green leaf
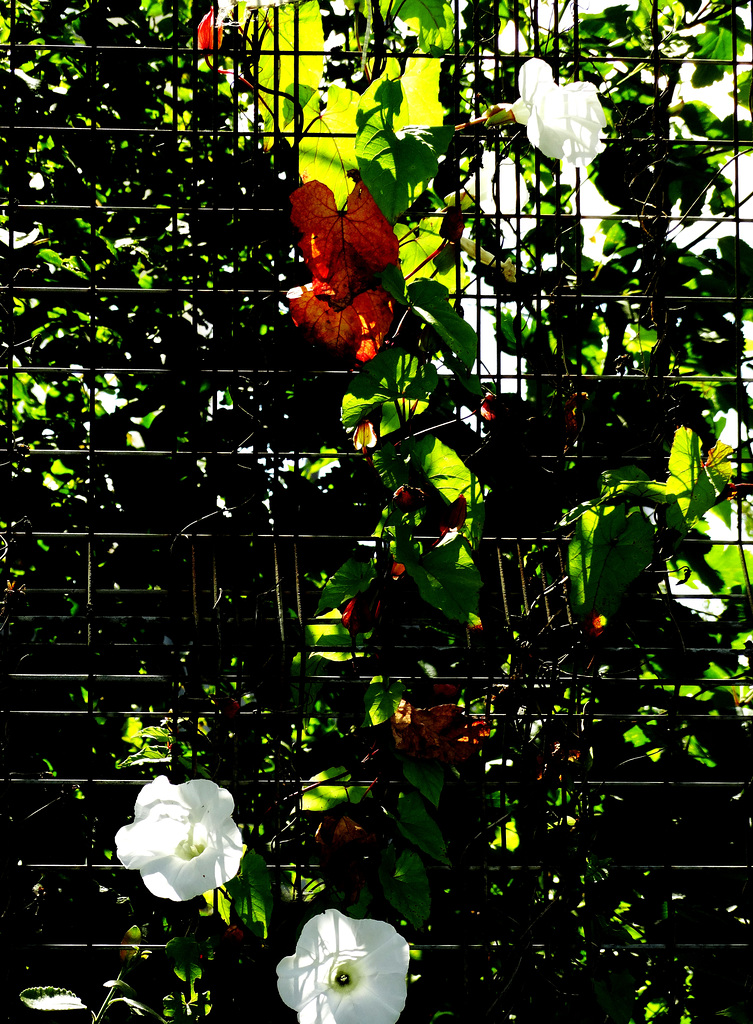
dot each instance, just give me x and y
(251, 893)
(327, 149)
(142, 1010)
(633, 482)
(420, 242)
(431, 301)
(419, 827)
(444, 470)
(327, 631)
(50, 998)
(719, 467)
(393, 281)
(446, 577)
(688, 481)
(391, 466)
(396, 160)
(608, 551)
(616, 996)
(350, 579)
(420, 82)
(426, 775)
(185, 951)
(322, 797)
(432, 21)
(282, 72)
(381, 699)
(405, 885)
(714, 45)
(391, 376)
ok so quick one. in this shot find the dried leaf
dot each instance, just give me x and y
(355, 332)
(443, 732)
(342, 249)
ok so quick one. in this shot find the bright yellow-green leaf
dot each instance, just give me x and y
(327, 149)
(689, 481)
(299, 29)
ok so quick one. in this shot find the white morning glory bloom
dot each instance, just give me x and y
(183, 839)
(507, 179)
(345, 972)
(563, 121)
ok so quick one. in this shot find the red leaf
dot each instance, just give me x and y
(343, 249)
(355, 332)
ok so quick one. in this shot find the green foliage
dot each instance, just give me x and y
(381, 700)
(405, 884)
(51, 998)
(418, 827)
(396, 159)
(186, 952)
(393, 376)
(189, 515)
(251, 894)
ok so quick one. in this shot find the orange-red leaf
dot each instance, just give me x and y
(355, 332)
(343, 249)
(443, 732)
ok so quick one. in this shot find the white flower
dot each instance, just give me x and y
(345, 972)
(183, 840)
(507, 179)
(564, 122)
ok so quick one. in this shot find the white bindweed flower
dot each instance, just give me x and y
(498, 182)
(563, 121)
(183, 839)
(345, 972)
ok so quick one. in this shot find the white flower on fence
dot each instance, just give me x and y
(183, 839)
(563, 121)
(345, 972)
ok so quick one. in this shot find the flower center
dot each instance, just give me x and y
(195, 842)
(344, 975)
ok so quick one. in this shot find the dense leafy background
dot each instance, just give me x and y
(179, 487)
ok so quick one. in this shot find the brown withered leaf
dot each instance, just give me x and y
(343, 249)
(343, 843)
(444, 732)
(356, 332)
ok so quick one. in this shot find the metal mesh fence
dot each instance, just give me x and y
(178, 487)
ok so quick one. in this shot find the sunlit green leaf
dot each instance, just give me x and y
(381, 699)
(608, 551)
(251, 893)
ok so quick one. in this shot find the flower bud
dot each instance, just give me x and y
(357, 617)
(408, 499)
(364, 436)
(206, 32)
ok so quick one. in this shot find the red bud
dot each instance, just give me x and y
(453, 516)
(408, 499)
(488, 411)
(206, 32)
(357, 617)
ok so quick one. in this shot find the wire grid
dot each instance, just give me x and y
(149, 600)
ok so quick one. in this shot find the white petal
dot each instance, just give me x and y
(567, 122)
(535, 78)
